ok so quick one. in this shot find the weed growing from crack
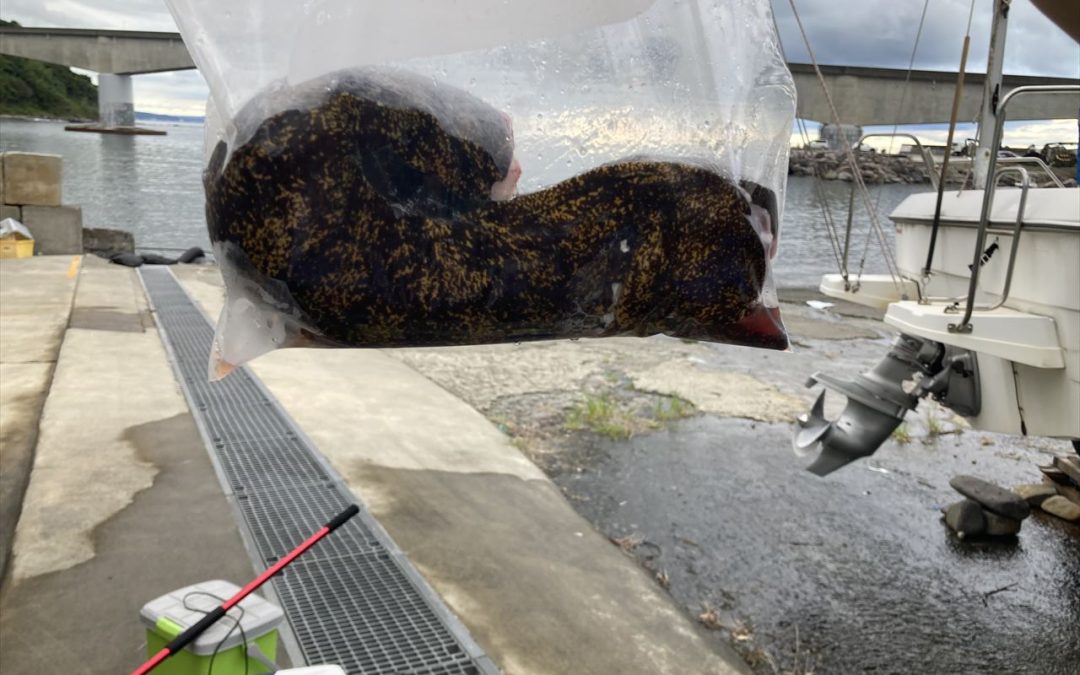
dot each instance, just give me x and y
(901, 434)
(673, 408)
(601, 415)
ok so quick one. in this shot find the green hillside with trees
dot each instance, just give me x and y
(29, 87)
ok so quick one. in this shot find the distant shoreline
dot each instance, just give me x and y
(141, 118)
(45, 118)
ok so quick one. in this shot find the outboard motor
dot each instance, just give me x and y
(877, 399)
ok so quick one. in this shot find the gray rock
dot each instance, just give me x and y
(1062, 508)
(965, 518)
(993, 498)
(1070, 493)
(1055, 474)
(1035, 493)
(1070, 465)
(1000, 526)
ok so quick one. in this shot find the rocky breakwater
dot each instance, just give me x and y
(875, 167)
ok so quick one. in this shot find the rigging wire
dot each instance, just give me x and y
(890, 260)
(830, 222)
(896, 125)
(907, 77)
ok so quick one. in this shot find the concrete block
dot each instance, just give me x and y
(107, 241)
(56, 229)
(9, 211)
(32, 179)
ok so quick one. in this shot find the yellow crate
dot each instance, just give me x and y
(16, 248)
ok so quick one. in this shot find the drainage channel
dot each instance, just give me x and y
(354, 600)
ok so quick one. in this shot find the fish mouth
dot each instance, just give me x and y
(763, 225)
(763, 215)
(507, 187)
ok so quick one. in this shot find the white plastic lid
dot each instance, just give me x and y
(186, 606)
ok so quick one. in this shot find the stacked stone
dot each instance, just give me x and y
(1059, 493)
(874, 167)
(988, 510)
(30, 193)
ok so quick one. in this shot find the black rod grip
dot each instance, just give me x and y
(342, 517)
(190, 634)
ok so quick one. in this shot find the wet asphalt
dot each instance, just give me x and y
(850, 573)
(853, 572)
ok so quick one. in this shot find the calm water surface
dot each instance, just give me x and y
(151, 186)
(148, 185)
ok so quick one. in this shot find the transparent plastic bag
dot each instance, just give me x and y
(363, 160)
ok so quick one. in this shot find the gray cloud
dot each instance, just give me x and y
(843, 32)
(110, 14)
(882, 33)
(181, 92)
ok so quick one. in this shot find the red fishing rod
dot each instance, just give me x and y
(183, 639)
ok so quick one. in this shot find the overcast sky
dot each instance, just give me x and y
(842, 32)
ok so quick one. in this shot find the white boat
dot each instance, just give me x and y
(986, 296)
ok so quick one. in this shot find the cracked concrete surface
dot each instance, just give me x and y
(34, 308)
(85, 470)
(482, 375)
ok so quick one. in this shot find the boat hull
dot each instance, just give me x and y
(1021, 395)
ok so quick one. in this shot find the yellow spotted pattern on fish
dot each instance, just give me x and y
(371, 207)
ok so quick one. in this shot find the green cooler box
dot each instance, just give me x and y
(174, 612)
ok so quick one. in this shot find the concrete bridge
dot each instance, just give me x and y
(869, 96)
(864, 96)
(115, 55)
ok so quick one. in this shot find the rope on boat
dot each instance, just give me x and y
(958, 94)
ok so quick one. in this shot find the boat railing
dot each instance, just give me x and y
(964, 326)
(928, 159)
(1037, 162)
(1025, 185)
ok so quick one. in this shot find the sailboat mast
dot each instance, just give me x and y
(991, 92)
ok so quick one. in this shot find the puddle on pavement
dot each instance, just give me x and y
(856, 568)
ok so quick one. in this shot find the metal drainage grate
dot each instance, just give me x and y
(353, 600)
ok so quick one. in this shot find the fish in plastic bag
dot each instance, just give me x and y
(375, 208)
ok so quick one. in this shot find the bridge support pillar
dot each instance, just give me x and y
(116, 101)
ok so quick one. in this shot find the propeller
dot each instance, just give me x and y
(812, 427)
(877, 401)
(876, 404)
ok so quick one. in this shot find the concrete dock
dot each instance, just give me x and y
(122, 504)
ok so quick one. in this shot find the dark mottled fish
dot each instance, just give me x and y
(366, 210)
